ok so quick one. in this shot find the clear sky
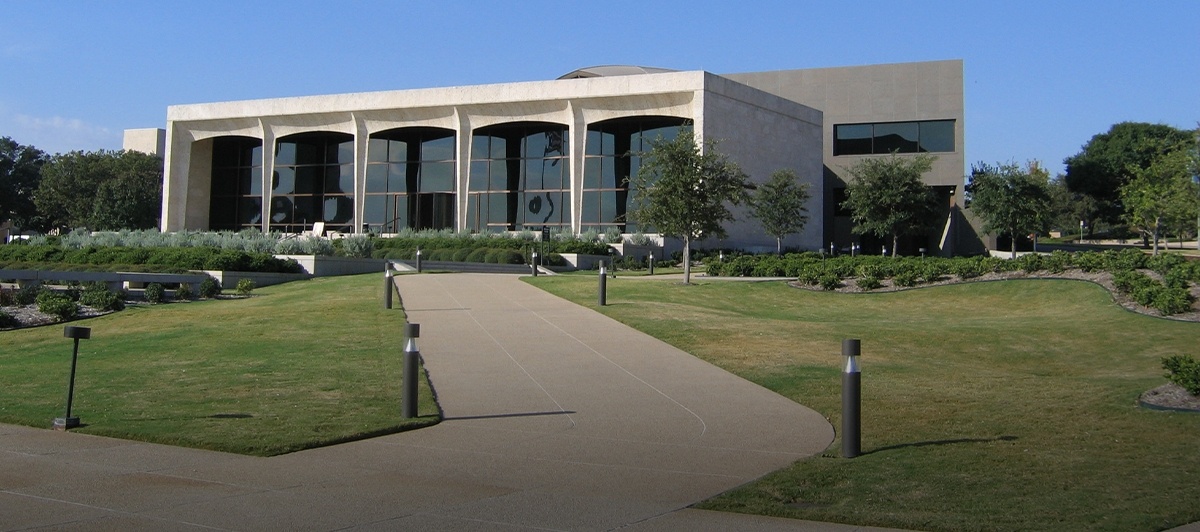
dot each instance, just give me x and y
(1040, 77)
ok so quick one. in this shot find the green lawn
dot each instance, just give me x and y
(295, 366)
(986, 406)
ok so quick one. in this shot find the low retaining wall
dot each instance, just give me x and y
(325, 266)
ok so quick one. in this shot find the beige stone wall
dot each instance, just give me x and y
(147, 140)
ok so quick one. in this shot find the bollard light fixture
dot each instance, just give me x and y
(851, 399)
(408, 399)
(75, 333)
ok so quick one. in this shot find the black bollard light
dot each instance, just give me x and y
(602, 297)
(534, 264)
(651, 263)
(77, 334)
(418, 260)
(851, 399)
(387, 287)
(408, 399)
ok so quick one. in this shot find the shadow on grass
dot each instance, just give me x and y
(940, 442)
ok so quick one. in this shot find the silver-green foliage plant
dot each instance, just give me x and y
(612, 235)
(358, 246)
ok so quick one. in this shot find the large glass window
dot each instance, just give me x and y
(236, 194)
(889, 137)
(613, 155)
(519, 178)
(410, 180)
(313, 182)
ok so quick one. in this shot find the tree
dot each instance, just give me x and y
(1009, 199)
(778, 205)
(20, 173)
(1160, 195)
(682, 191)
(1069, 209)
(888, 198)
(1105, 163)
(101, 190)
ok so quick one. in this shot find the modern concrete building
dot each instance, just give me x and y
(515, 156)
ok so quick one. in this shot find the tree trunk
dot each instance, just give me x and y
(1155, 253)
(1012, 245)
(687, 260)
(895, 240)
(778, 246)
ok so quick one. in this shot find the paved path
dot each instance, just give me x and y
(557, 418)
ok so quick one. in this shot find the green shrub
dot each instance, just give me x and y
(57, 305)
(27, 295)
(830, 281)
(907, 278)
(184, 292)
(869, 282)
(1171, 301)
(210, 288)
(8, 297)
(97, 296)
(967, 268)
(154, 293)
(245, 286)
(1184, 371)
(7, 321)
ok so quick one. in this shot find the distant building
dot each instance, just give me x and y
(517, 156)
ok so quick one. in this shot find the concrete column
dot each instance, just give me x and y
(268, 173)
(578, 142)
(462, 166)
(362, 139)
(175, 185)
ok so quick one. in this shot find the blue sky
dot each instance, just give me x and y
(1040, 77)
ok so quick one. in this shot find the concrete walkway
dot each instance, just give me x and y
(557, 418)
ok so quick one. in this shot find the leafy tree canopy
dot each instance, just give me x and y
(1108, 160)
(682, 191)
(20, 173)
(887, 197)
(1010, 199)
(779, 205)
(102, 190)
(1161, 195)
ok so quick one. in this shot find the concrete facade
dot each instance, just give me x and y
(146, 140)
(888, 93)
(764, 121)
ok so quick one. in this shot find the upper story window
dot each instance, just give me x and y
(889, 137)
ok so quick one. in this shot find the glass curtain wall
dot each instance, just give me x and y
(613, 155)
(520, 178)
(313, 182)
(236, 192)
(410, 180)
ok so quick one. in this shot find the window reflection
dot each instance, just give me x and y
(410, 180)
(519, 177)
(313, 172)
(612, 160)
(893, 137)
(235, 202)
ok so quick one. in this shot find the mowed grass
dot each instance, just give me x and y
(986, 406)
(298, 365)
